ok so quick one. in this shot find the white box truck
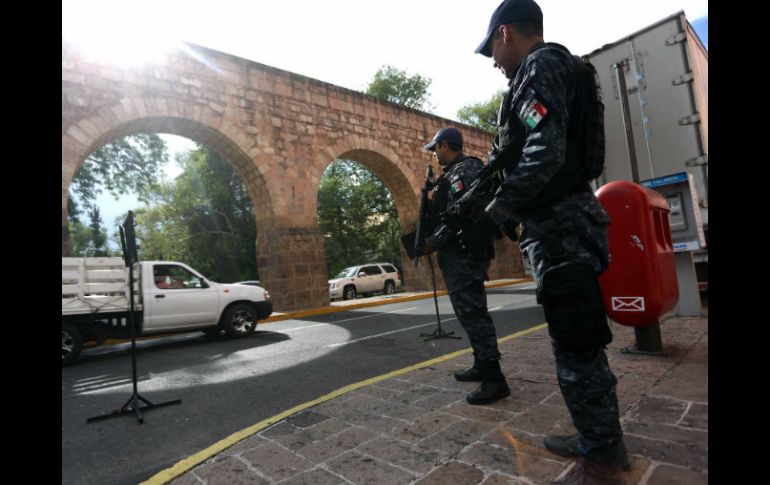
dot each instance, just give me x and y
(169, 297)
(665, 70)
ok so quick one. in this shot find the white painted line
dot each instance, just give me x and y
(347, 320)
(387, 333)
(375, 314)
(302, 328)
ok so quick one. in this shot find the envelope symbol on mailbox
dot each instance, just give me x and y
(628, 303)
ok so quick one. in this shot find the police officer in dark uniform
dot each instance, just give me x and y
(463, 264)
(547, 153)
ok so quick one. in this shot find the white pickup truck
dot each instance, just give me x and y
(168, 297)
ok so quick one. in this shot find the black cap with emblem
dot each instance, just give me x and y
(507, 12)
(450, 134)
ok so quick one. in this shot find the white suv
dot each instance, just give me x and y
(365, 279)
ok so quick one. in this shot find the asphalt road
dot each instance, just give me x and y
(227, 385)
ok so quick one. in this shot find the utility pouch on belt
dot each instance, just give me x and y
(574, 308)
(478, 238)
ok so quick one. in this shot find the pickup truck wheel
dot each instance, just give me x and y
(71, 343)
(390, 288)
(349, 293)
(239, 320)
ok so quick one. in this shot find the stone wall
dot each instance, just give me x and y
(279, 131)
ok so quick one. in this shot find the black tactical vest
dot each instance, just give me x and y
(585, 136)
(587, 118)
(479, 237)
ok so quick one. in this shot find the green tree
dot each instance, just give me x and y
(79, 235)
(130, 165)
(98, 235)
(80, 238)
(204, 218)
(482, 115)
(397, 86)
(357, 216)
(86, 239)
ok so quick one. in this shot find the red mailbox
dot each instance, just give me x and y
(640, 283)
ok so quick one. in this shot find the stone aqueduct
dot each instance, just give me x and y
(279, 131)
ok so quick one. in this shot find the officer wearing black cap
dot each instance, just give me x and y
(545, 149)
(464, 267)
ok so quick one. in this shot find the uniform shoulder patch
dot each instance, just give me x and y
(457, 185)
(533, 113)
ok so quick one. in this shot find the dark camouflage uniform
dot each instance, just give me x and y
(563, 226)
(463, 273)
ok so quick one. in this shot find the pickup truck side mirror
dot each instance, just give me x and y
(361, 274)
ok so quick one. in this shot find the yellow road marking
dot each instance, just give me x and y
(190, 462)
(342, 308)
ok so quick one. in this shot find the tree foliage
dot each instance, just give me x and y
(397, 86)
(89, 239)
(130, 165)
(482, 115)
(357, 216)
(86, 239)
(204, 218)
(98, 234)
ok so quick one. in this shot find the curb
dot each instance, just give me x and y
(421, 296)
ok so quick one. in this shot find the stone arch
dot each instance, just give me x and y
(278, 129)
(159, 115)
(164, 115)
(382, 161)
(397, 176)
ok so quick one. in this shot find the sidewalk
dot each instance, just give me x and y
(415, 427)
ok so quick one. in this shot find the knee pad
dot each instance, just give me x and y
(574, 308)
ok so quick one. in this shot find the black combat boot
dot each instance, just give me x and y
(588, 472)
(568, 446)
(562, 445)
(493, 386)
(470, 375)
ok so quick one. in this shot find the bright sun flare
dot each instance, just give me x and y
(122, 33)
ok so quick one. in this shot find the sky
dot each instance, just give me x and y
(344, 42)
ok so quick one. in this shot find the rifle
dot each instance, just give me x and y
(419, 239)
(468, 210)
(422, 219)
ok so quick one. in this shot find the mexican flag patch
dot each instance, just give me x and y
(457, 186)
(534, 113)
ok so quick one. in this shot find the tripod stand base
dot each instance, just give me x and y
(437, 334)
(135, 407)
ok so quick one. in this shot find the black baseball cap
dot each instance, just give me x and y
(450, 134)
(507, 12)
